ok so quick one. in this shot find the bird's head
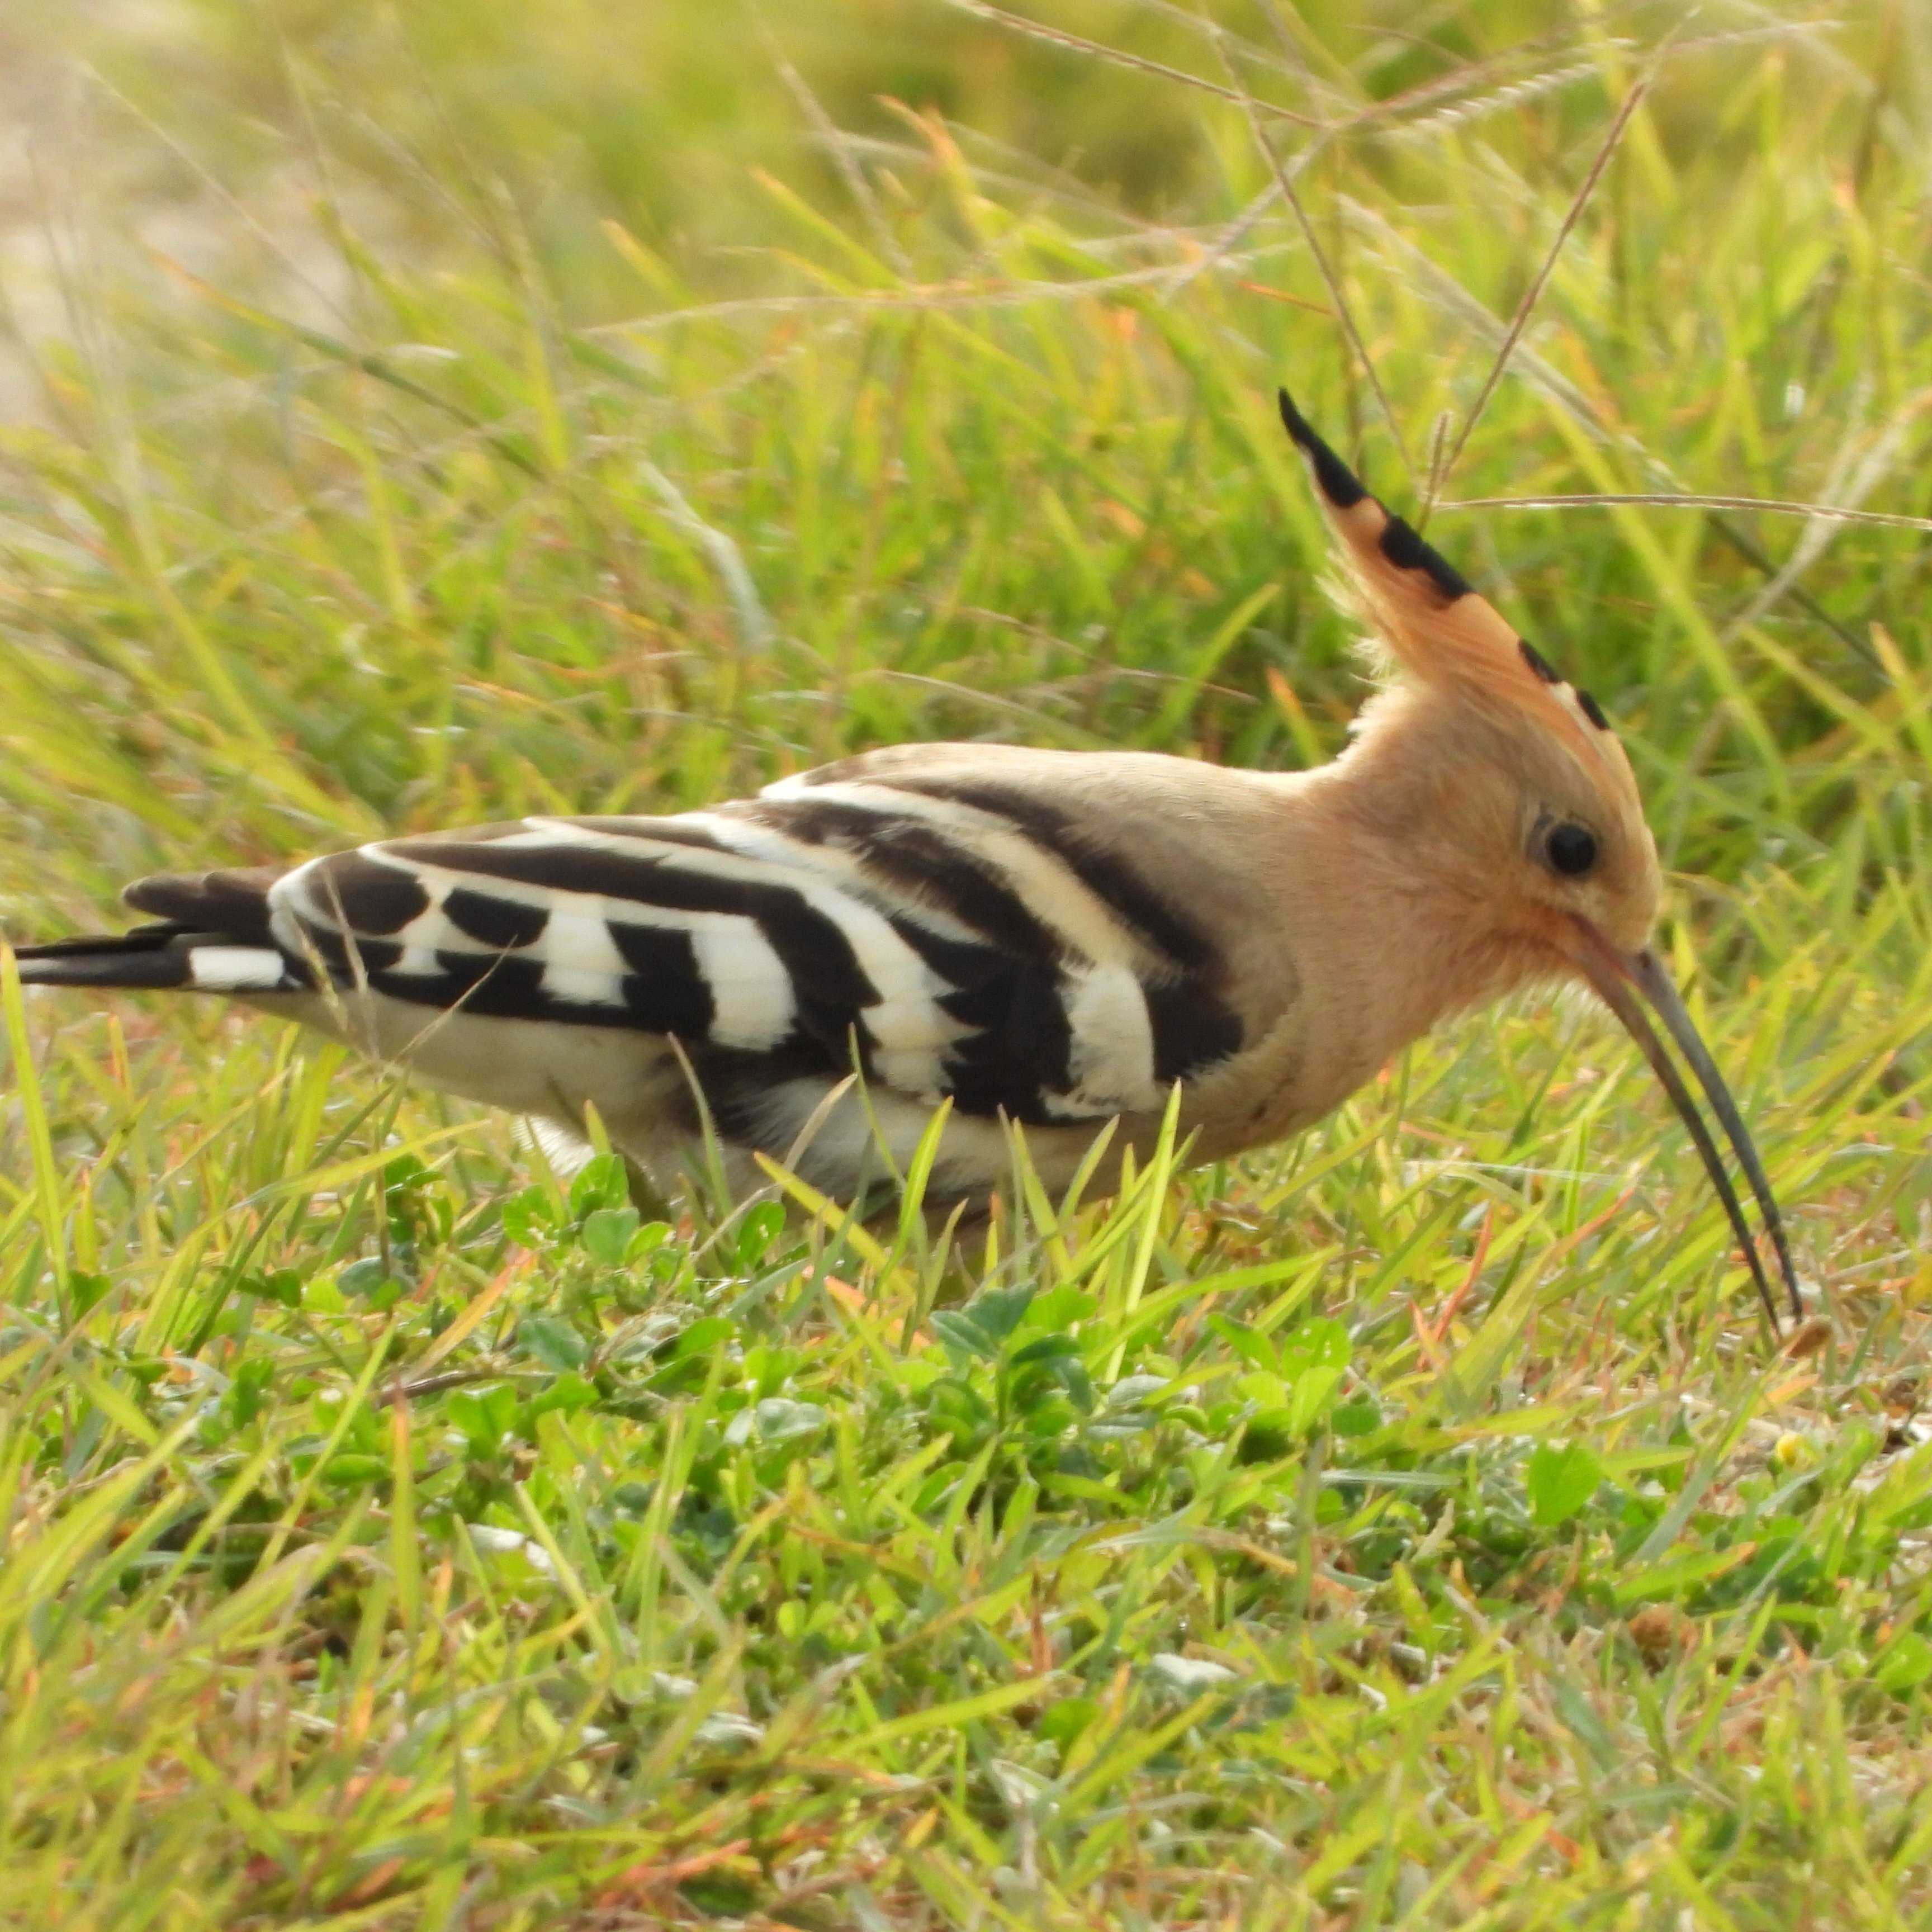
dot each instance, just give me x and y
(1506, 787)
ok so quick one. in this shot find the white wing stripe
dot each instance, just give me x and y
(752, 992)
(1112, 1057)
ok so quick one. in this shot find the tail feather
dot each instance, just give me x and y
(233, 901)
(212, 936)
(140, 939)
(133, 959)
(196, 962)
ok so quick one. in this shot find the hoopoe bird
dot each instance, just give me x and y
(1053, 939)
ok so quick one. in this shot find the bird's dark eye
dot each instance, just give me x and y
(1571, 850)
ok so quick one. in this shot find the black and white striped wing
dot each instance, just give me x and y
(970, 946)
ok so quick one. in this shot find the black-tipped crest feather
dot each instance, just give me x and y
(1338, 483)
(1403, 545)
(1401, 542)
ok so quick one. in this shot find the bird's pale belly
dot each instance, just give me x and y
(823, 1130)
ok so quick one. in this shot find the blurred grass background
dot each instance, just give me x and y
(434, 411)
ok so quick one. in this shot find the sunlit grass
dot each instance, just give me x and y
(1410, 1526)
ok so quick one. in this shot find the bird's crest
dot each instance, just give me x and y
(1438, 630)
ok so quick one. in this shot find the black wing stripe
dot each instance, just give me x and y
(1019, 1045)
(364, 894)
(499, 984)
(1192, 1029)
(1112, 880)
(335, 948)
(916, 861)
(665, 990)
(556, 866)
(1024, 1051)
(829, 986)
(504, 924)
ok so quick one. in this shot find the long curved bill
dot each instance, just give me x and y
(1618, 977)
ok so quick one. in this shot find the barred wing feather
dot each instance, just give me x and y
(967, 947)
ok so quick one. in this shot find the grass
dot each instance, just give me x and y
(434, 415)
